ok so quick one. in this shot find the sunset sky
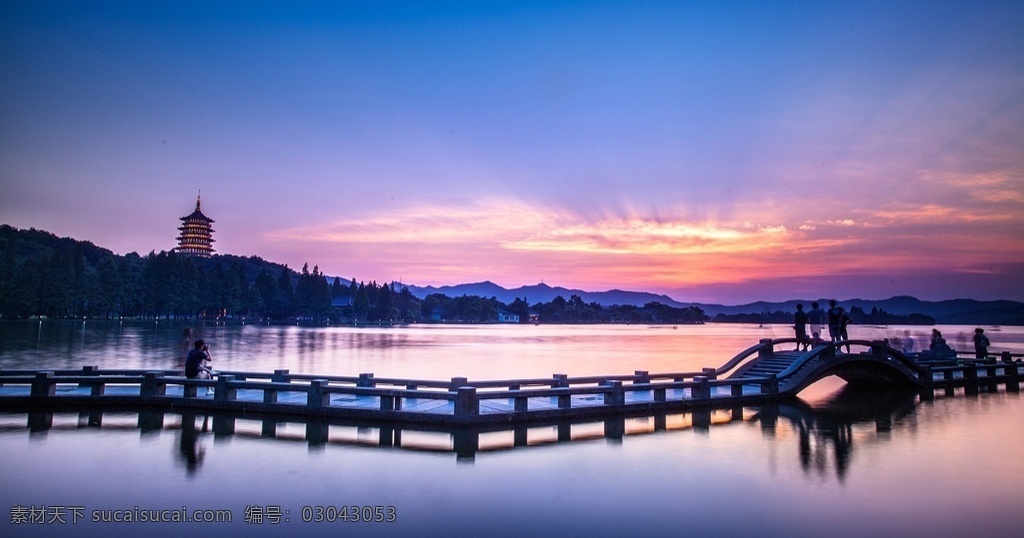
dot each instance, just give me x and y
(714, 151)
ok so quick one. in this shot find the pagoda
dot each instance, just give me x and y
(196, 238)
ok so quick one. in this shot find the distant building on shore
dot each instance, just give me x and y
(195, 236)
(504, 316)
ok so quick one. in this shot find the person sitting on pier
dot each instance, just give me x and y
(195, 364)
(939, 348)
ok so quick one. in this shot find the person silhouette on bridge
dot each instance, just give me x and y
(800, 325)
(844, 322)
(835, 314)
(816, 318)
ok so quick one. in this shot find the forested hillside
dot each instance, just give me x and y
(45, 275)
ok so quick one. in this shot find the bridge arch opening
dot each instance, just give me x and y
(822, 390)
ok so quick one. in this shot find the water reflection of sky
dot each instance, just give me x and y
(938, 468)
(896, 467)
(421, 351)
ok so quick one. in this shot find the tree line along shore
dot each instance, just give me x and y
(42, 275)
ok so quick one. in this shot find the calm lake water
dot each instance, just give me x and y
(832, 463)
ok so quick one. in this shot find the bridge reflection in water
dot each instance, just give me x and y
(822, 428)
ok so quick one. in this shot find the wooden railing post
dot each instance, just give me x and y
(709, 373)
(43, 384)
(1012, 374)
(615, 428)
(280, 376)
(970, 379)
(520, 403)
(559, 380)
(222, 392)
(616, 395)
(1005, 356)
(925, 377)
(466, 403)
(95, 389)
(466, 444)
(771, 386)
(703, 390)
(152, 385)
(89, 371)
(316, 397)
(737, 389)
(565, 400)
(366, 380)
(701, 419)
(642, 376)
(457, 382)
(767, 349)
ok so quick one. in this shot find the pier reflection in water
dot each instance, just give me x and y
(816, 427)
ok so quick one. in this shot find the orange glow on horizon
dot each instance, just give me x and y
(517, 243)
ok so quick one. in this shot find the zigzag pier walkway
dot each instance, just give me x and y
(766, 372)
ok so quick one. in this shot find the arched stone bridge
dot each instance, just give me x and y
(858, 362)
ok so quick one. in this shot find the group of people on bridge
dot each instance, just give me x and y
(835, 319)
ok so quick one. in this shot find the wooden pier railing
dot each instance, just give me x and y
(463, 401)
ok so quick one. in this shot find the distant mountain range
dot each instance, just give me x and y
(542, 293)
(954, 311)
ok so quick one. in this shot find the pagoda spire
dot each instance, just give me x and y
(196, 233)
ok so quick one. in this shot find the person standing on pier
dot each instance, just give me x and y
(981, 344)
(800, 325)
